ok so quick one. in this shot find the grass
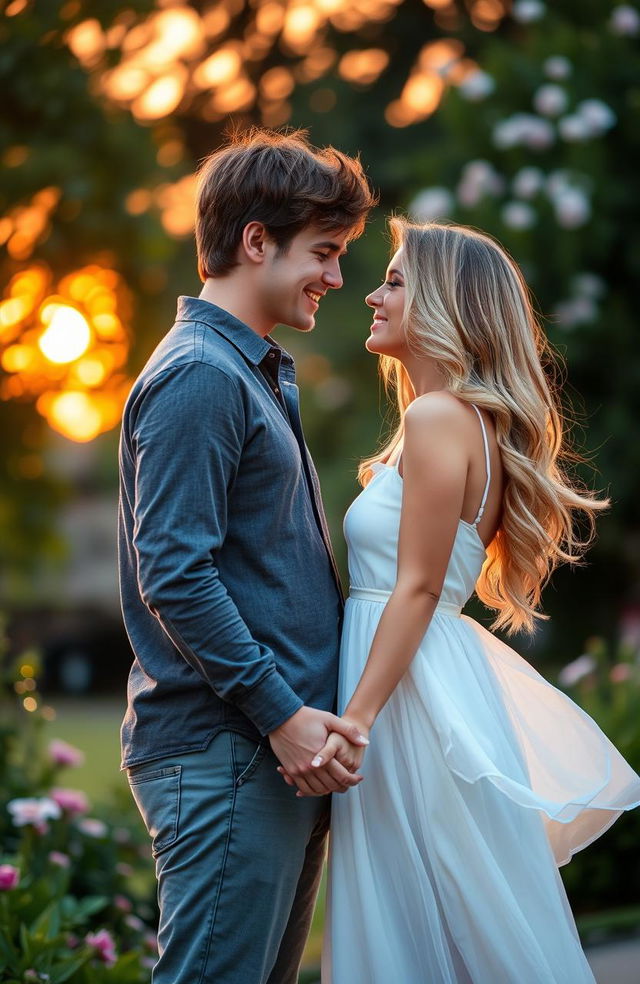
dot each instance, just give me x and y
(92, 725)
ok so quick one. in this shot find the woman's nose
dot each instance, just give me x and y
(373, 299)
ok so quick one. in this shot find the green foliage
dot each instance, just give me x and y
(609, 691)
(73, 888)
(574, 231)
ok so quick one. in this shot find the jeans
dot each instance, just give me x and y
(238, 863)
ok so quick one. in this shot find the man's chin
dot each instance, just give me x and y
(304, 324)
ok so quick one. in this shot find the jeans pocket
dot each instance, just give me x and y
(157, 796)
(246, 756)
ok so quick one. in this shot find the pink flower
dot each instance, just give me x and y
(575, 671)
(72, 801)
(59, 859)
(9, 877)
(122, 903)
(33, 811)
(620, 673)
(92, 827)
(61, 753)
(133, 922)
(104, 946)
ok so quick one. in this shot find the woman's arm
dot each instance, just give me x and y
(435, 465)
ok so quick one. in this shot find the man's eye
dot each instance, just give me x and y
(322, 256)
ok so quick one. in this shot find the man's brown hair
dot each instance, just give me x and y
(281, 180)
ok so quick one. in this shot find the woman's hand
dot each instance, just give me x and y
(336, 748)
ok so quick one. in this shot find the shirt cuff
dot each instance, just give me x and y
(270, 703)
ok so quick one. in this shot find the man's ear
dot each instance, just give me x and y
(254, 236)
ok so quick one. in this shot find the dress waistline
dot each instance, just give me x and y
(376, 594)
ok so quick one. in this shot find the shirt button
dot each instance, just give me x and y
(272, 355)
(276, 390)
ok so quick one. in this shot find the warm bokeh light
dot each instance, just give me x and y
(363, 67)
(218, 69)
(300, 26)
(176, 57)
(177, 205)
(67, 335)
(64, 347)
(162, 97)
(277, 83)
(26, 225)
(74, 414)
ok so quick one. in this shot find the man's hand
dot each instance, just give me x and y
(301, 738)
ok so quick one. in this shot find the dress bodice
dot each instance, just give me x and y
(372, 526)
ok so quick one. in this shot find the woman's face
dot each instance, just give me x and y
(387, 333)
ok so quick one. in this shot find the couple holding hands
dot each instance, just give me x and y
(462, 778)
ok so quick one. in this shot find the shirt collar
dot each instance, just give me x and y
(251, 345)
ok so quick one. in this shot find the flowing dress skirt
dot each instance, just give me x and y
(481, 778)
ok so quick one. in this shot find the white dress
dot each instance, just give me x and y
(481, 778)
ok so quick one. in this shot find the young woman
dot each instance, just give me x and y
(481, 778)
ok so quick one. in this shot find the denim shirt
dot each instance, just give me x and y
(230, 594)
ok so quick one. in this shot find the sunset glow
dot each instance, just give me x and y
(67, 335)
(65, 345)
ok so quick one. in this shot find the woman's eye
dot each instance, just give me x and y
(393, 283)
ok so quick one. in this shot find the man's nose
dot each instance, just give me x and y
(333, 276)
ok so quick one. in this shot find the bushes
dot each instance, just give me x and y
(607, 874)
(76, 889)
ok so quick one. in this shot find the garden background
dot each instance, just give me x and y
(521, 119)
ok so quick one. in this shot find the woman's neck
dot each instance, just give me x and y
(425, 374)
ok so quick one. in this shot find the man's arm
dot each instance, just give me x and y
(187, 433)
(187, 436)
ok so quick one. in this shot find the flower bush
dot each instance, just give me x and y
(76, 890)
(606, 684)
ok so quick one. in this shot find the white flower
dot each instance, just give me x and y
(479, 178)
(518, 215)
(527, 182)
(92, 827)
(572, 208)
(525, 129)
(574, 128)
(557, 183)
(477, 86)
(432, 203)
(526, 11)
(33, 811)
(573, 672)
(577, 311)
(557, 68)
(588, 285)
(625, 21)
(550, 100)
(597, 115)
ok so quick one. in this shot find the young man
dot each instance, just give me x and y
(229, 588)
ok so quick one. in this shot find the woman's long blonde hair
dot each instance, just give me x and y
(468, 307)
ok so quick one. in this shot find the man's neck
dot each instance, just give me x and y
(236, 297)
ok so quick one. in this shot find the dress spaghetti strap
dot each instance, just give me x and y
(487, 459)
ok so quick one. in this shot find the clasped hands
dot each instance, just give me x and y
(319, 752)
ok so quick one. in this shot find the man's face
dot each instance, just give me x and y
(293, 283)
